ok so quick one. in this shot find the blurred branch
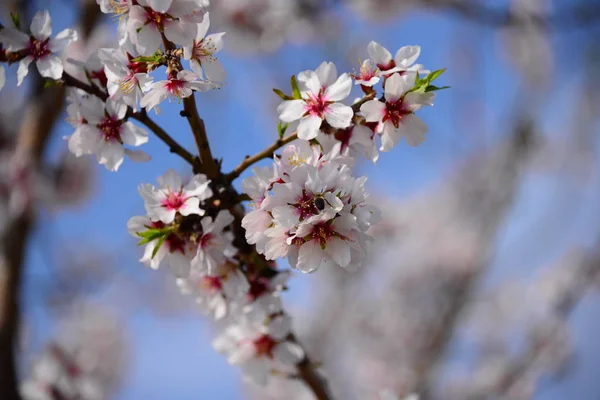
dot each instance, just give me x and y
(575, 17)
(44, 108)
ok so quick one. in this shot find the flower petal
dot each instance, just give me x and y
(339, 115)
(41, 25)
(309, 127)
(340, 89)
(291, 110)
(50, 67)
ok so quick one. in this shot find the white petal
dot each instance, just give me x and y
(309, 127)
(58, 43)
(310, 257)
(339, 115)
(41, 25)
(203, 27)
(280, 327)
(327, 73)
(413, 129)
(50, 67)
(13, 40)
(148, 40)
(133, 135)
(137, 224)
(378, 53)
(373, 110)
(180, 32)
(111, 155)
(214, 70)
(288, 353)
(340, 89)
(179, 264)
(291, 110)
(394, 87)
(137, 155)
(170, 179)
(23, 69)
(2, 77)
(85, 140)
(311, 80)
(407, 55)
(191, 206)
(339, 251)
(390, 137)
(161, 6)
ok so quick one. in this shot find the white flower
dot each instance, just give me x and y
(216, 294)
(354, 140)
(176, 87)
(369, 74)
(103, 132)
(172, 197)
(259, 347)
(126, 79)
(395, 117)
(38, 47)
(315, 213)
(319, 101)
(177, 19)
(402, 62)
(214, 246)
(201, 53)
(176, 251)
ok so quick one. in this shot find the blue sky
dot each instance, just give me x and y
(172, 356)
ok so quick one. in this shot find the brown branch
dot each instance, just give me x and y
(208, 164)
(174, 147)
(312, 379)
(266, 153)
(141, 116)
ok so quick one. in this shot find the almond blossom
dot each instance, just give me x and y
(214, 245)
(218, 293)
(178, 86)
(369, 74)
(395, 118)
(403, 61)
(177, 251)
(39, 47)
(319, 102)
(173, 197)
(260, 347)
(126, 79)
(103, 131)
(176, 19)
(202, 51)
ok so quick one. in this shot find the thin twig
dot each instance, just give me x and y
(266, 153)
(71, 81)
(174, 147)
(209, 165)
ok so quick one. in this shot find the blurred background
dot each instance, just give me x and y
(482, 283)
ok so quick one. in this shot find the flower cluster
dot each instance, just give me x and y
(309, 209)
(198, 248)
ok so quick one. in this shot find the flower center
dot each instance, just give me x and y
(205, 240)
(111, 129)
(385, 67)
(100, 75)
(155, 18)
(264, 346)
(211, 284)
(317, 104)
(204, 49)
(344, 136)
(174, 201)
(175, 88)
(38, 48)
(175, 243)
(306, 206)
(394, 112)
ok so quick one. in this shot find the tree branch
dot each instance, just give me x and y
(209, 165)
(266, 153)
(174, 147)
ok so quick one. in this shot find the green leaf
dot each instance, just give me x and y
(158, 246)
(432, 88)
(282, 95)
(434, 75)
(281, 128)
(16, 20)
(295, 89)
